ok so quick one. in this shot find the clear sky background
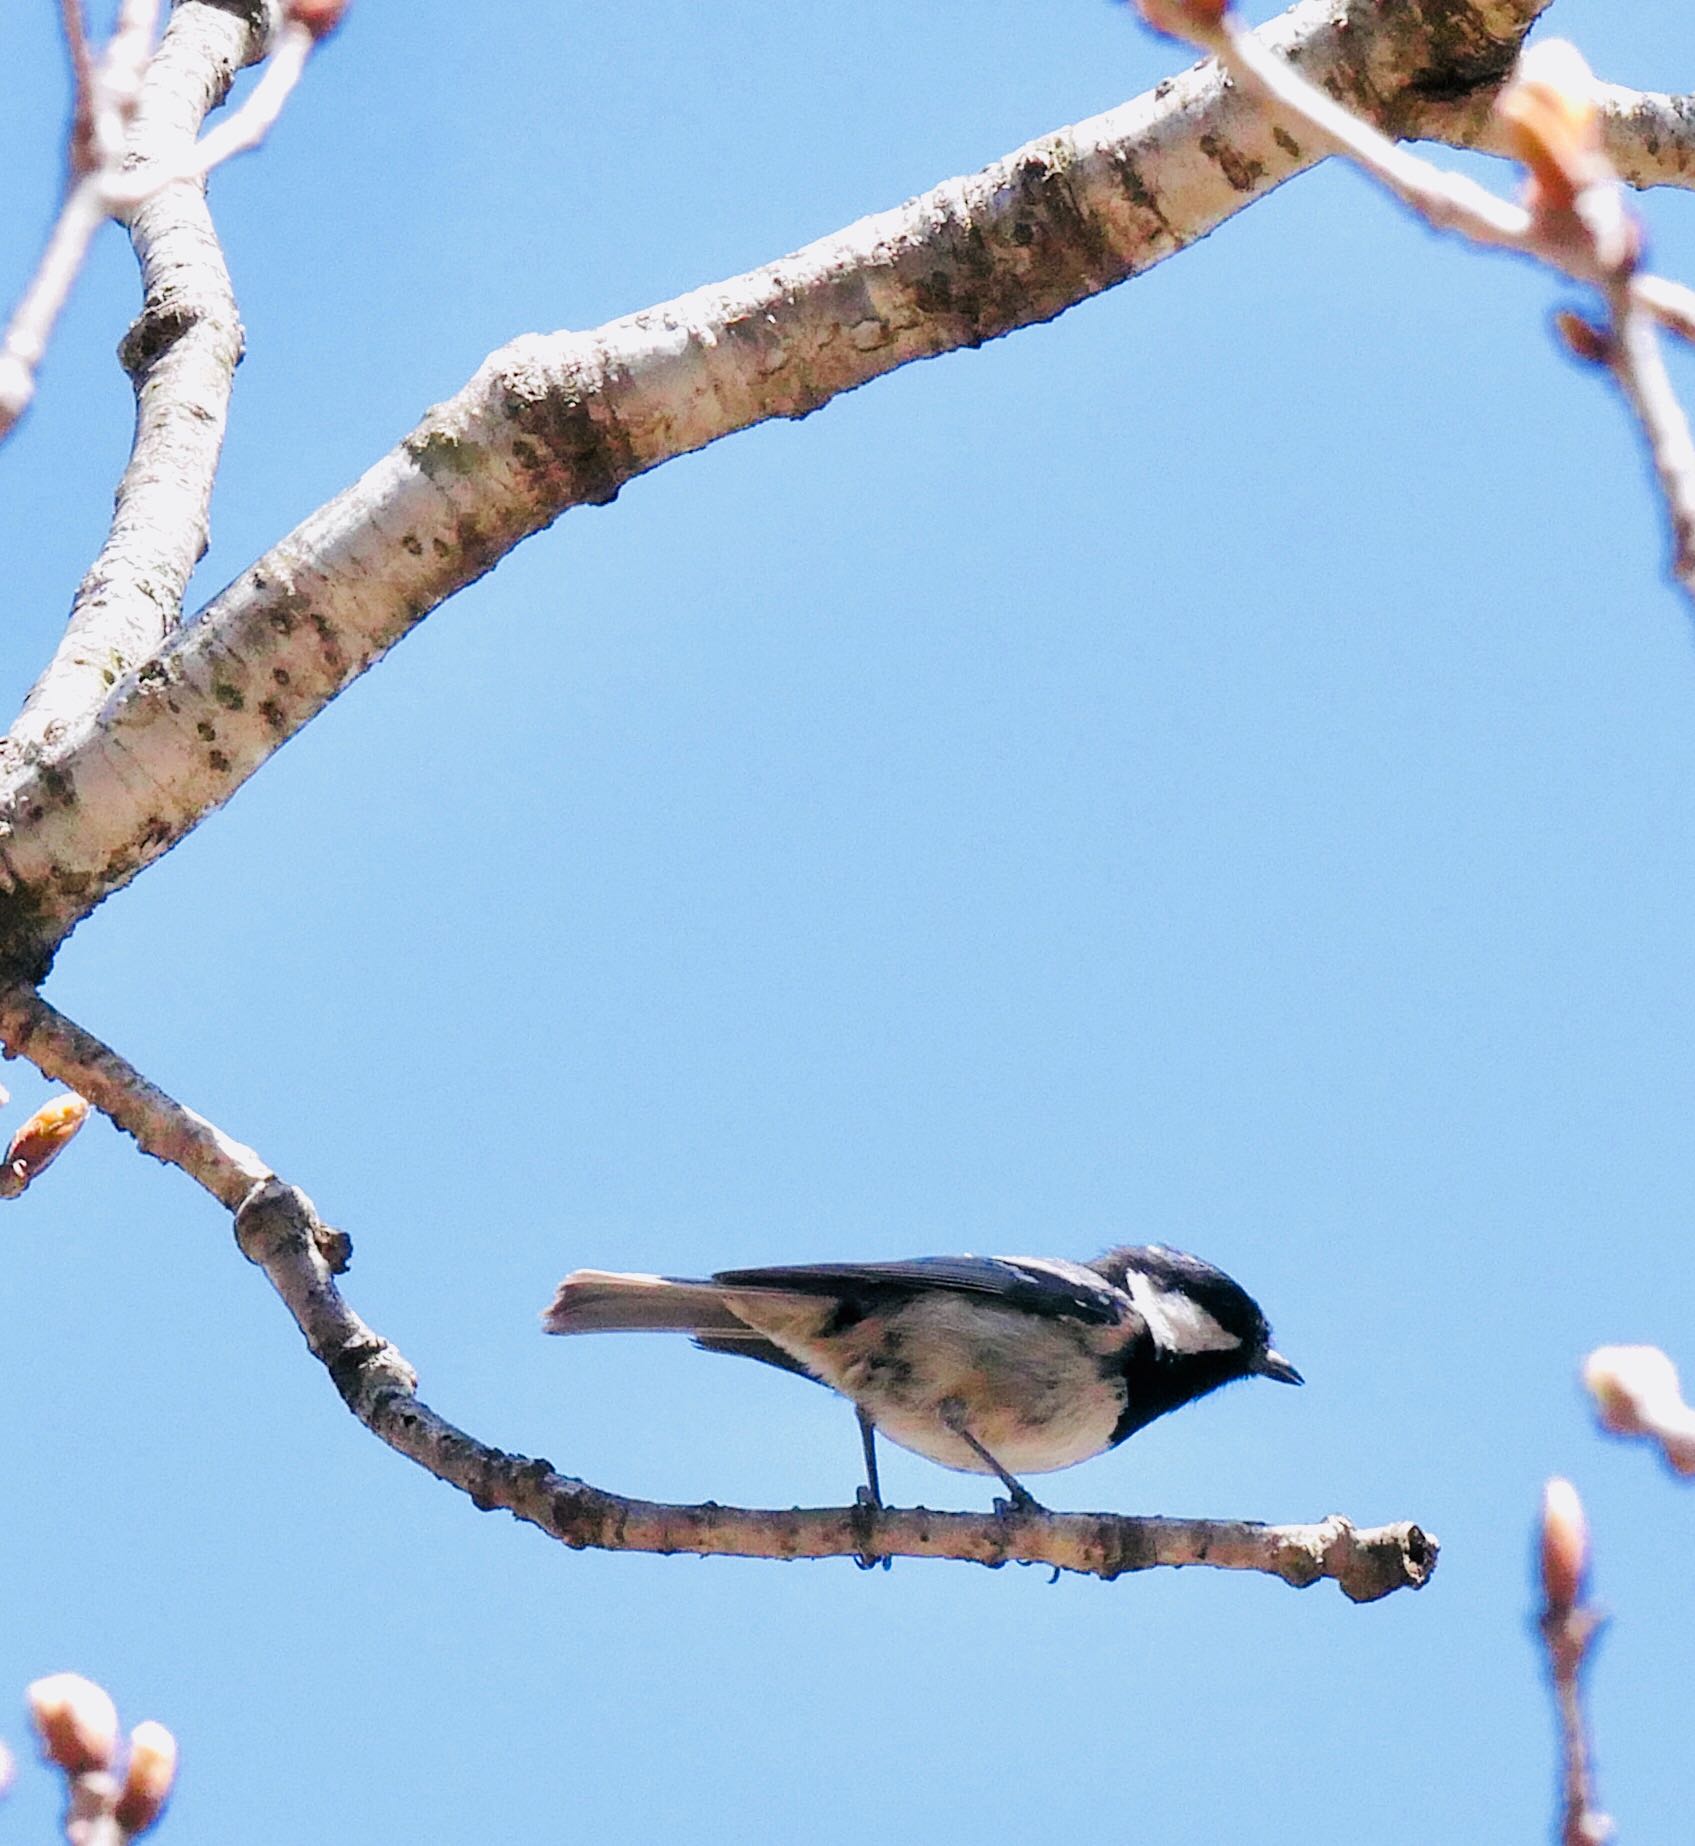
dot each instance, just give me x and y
(1218, 769)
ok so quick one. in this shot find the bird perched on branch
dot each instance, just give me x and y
(1003, 1365)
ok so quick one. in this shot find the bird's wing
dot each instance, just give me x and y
(751, 1345)
(1036, 1284)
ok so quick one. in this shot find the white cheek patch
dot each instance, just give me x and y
(1177, 1321)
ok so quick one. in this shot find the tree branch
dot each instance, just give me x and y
(278, 1229)
(1573, 218)
(181, 356)
(552, 422)
(1647, 135)
(1568, 1627)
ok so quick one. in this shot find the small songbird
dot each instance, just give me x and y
(1003, 1365)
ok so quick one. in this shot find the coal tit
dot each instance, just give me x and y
(1003, 1365)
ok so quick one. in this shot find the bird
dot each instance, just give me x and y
(999, 1365)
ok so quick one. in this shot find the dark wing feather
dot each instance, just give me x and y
(1038, 1285)
(751, 1346)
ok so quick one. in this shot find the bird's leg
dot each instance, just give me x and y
(871, 1494)
(953, 1415)
(869, 1499)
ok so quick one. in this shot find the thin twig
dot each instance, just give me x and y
(1447, 201)
(108, 95)
(123, 68)
(83, 154)
(104, 96)
(1568, 1639)
(1636, 362)
(181, 355)
(24, 342)
(1671, 303)
(245, 129)
(1580, 229)
(1568, 1627)
(104, 92)
(279, 1230)
(90, 1801)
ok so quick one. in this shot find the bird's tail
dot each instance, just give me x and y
(600, 1301)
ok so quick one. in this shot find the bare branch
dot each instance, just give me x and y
(1649, 136)
(1568, 1627)
(103, 101)
(1634, 357)
(1446, 201)
(83, 146)
(122, 70)
(245, 129)
(181, 355)
(24, 342)
(552, 422)
(279, 1230)
(30, 1028)
(258, 115)
(1574, 220)
(89, 1802)
(109, 95)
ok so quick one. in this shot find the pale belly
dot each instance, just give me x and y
(1034, 1390)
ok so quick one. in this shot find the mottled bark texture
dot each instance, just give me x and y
(181, 354)
(553, 422)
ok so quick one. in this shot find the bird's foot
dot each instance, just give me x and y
(867, 1505)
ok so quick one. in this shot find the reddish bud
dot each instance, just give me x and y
(1553, 123)
(41, 1140)
(76, 1722)
(1585, 340)
(1636, 1393)
(147, 1781)
(1565, 1546)
(319, 17)
(1633, 1387)
(1197, 21)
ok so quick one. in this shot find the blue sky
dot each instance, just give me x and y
(1217, 769)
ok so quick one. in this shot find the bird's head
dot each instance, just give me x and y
(1203, 1329)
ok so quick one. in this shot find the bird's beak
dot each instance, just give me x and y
(1272, 1364)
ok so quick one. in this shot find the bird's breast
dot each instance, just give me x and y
(1038, 1392)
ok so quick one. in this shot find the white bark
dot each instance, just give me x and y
(181, 354)
(556, 421)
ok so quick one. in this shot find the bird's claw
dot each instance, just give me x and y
(868, 1505)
